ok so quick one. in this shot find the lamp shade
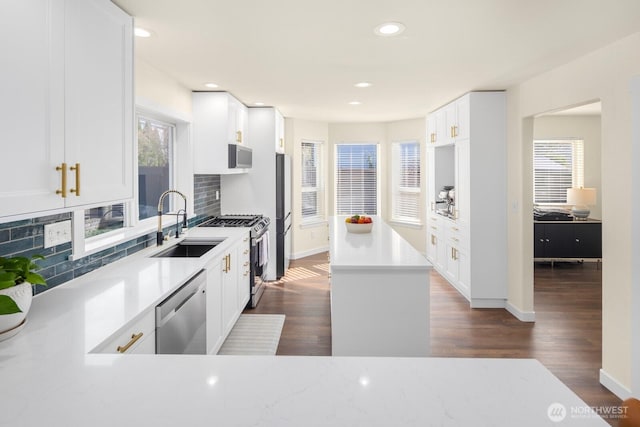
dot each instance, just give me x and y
(581, 196)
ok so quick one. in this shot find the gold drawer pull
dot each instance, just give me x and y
(245, 239)
(134, 338)
(434, 228)
(239, 136)
(63, 191)
(245, 264)
(455, 228)
(246, 251)
(454, 239)
(76, 168)
(246, 273)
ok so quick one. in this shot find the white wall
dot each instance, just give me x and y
(307, 239)
(604, 74)
(405, 130)
(159, 88)
(586, 128)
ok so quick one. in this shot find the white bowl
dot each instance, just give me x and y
(359, 228)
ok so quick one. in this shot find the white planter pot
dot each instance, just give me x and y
(22, 295)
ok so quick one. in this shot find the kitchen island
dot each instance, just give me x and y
(51, 376)
(379, 293)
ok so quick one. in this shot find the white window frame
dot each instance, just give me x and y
(318, 189)
(182, 168)
(576, 145)
(397, 190)
(335, 175)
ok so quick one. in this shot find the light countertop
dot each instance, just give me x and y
(50, 378)
(382, 248)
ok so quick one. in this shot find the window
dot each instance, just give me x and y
(406, 182)
(311, 182)
(557, 165)
(103, 219)
(356, 179)
(155, 164)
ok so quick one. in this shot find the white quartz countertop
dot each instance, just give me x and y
(382, 248)
(49, 378)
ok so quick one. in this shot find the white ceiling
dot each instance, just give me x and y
(305, 56)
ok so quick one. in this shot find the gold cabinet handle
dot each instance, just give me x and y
(63, 180)
(246, 264)
(281, 142)
(246, 251)
(245, 239)
(225, 269)
(451, 131)
(134, 338)
(239, 136)
(455, 131)
(246, 273)
(455, 253)
(229, 262)
(434, 228)
(454, 239)
(433, 206)
(76, 168)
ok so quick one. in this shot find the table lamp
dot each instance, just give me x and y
(581, 198)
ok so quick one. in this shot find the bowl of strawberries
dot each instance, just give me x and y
(359, 224)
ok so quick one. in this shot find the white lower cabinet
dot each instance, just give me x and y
(244, 272)
(136, 338)
(229, 291)
(214, 298)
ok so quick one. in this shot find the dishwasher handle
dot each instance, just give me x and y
(170, 306)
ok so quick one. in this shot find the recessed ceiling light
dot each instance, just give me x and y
(259, 104)
(389, 29)
(355, 103)
(363, 84)
(211, 85)
(141, 32)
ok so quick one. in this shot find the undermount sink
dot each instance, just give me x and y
(186, 249)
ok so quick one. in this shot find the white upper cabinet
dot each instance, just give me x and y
(98, 101)
(219, 119)
(66, 99)
(450, 123)
(279, 132)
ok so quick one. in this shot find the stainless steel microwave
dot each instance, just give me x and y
(240, 157)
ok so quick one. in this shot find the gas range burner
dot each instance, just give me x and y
(257, 223)
(233, 221)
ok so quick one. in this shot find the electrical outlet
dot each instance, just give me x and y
(57, 233)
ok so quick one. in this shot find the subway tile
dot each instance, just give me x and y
(84, 269)
(5, 235)
(113, 257)
(15, 224)
(16, 246)
(55, 281)
(49, 219)
(26, 231)
(64, 267)
(54, 258)
(63, 247)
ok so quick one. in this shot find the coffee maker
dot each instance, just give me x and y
(447, 197)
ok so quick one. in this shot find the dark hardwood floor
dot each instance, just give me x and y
(566, 337)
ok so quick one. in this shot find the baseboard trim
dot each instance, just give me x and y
(523, 316)
(614, 386)
(310, 252)
(487, 303)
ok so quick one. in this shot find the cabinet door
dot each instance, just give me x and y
(214, 304)
(229, 292)
(279, 132)
(432, 246)
(243, 272)
(464, 270)
(451, 263)
(147, 345)
(431, 129)
(450, 121)
(588, 240)
(31, 105)
(463, 183)
(431, 180)
(463, 118)
(98, 101)
(539, 240)
(559, 240)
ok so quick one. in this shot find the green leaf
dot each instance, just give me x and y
(7, 280)
(8, 305)
(35, 278)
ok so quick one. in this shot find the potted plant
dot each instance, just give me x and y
(17, 275)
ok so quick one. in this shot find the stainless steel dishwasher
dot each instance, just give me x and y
(181, 319)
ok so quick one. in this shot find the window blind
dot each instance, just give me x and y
(356, 179)
(310, 180)
(557, 165)
(406, 182)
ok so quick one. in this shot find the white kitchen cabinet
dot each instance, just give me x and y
(450, 123)
(214, 271)
(436, 128)
(244, 272)
(474, 161)
(67, 100)
(279, 132)
(137, 337)
(219, 119)
(230, 312)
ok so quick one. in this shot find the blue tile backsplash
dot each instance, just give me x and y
(26, 238)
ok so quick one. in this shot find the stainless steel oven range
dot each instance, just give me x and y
(259, 247)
